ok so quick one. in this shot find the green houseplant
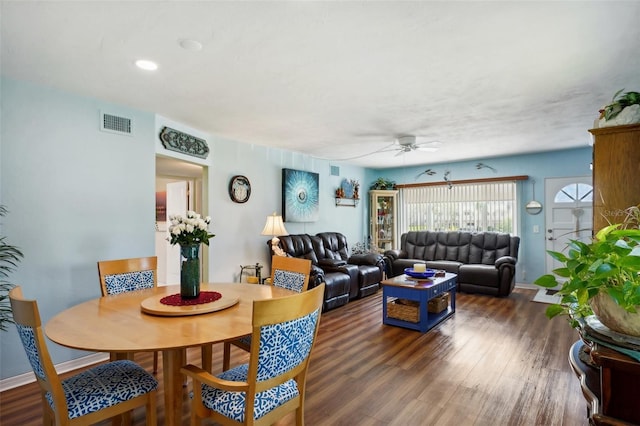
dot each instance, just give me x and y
(9, 258)
(605, 269)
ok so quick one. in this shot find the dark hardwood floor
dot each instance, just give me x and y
(495, 362)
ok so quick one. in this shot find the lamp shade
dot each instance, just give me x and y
(274, 226)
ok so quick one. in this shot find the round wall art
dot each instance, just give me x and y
(239, 189)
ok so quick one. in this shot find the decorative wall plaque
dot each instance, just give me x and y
(175, 140)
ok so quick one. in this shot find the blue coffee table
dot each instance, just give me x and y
(403, 287)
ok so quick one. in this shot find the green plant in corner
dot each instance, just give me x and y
(618, 103)
(382, 183)
(609, 264)
(9, 258)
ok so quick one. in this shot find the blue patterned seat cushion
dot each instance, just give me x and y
(232, 404)
(130, 281)
(289, 280)
(283, 346)
(104, 386)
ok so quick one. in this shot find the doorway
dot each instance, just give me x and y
(180, 186)
(568, 214)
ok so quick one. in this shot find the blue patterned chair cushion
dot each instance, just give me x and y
(28, 338)
(283, 346)
(104, 386)
(289, 280)
(232, 404)
(130, 281)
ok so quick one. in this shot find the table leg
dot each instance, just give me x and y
(172, 361)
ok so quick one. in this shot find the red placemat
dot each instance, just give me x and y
(204, 297)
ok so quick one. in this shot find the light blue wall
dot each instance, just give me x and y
(563, 163)
(77, 195)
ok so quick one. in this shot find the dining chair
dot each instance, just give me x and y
(124, 275)
(287, 272)
(273, 383)
(98, 393)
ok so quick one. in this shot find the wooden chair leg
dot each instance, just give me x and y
(226, 356)
(151, 414)
(155, 362)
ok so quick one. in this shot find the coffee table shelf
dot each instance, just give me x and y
(402, 287)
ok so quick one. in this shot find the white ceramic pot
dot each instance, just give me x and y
(613, 316)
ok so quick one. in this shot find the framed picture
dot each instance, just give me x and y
(300, 196)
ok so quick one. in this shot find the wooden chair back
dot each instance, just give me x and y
(27, 319)
(118, 276)
(290, 272)
(286, 330)
(54, 401)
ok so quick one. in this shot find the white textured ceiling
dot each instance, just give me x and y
(340, 79)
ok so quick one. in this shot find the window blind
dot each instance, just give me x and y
(474, 207)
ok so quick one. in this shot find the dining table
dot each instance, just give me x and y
(134, 322)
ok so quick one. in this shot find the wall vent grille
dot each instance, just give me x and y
(115, 124)
(335, 171)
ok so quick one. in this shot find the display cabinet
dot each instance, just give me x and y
(383, 219)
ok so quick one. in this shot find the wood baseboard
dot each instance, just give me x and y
(74, 364)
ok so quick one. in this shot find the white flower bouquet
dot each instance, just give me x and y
(190, 230)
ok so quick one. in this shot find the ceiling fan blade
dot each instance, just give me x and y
(426, 149)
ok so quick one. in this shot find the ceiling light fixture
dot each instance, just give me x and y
(146, 65)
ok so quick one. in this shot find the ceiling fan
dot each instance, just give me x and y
(408, 143)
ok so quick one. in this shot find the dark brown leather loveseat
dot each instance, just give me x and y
(346, 276)
(485, 262)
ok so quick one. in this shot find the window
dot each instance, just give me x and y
(575, 192)
(474, 207)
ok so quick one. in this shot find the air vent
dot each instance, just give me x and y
(335, 171)
(114, 124)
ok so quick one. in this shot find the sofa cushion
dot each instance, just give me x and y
(486, 275)
(332, 262)
(486, 247)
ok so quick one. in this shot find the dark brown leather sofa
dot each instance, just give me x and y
(346, 276)
(485, 262)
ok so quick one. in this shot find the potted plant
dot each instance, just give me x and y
(623, 109)
(9, 258)
(601, 275)
(382, 183)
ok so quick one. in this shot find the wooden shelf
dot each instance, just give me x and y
(347, 202)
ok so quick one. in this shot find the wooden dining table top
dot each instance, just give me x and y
(116, 323)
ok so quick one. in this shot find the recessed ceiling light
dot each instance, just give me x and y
(146, 65)
(189, 44)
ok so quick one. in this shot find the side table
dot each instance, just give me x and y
(422, 292)
(610, 385)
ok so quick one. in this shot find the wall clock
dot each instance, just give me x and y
(239, 189)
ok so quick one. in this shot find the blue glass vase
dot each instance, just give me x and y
(190, 271)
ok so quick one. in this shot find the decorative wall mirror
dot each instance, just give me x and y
(533, 206)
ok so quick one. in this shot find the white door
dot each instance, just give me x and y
(568, 214)
(177, 203)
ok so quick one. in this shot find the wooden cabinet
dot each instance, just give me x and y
(610, 383)
(383, 217)
(616, 168)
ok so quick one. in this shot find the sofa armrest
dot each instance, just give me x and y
(365, 259)
(316, 276)
(395, 254)
(505, 260)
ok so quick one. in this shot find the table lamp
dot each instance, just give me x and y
(275, 227)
